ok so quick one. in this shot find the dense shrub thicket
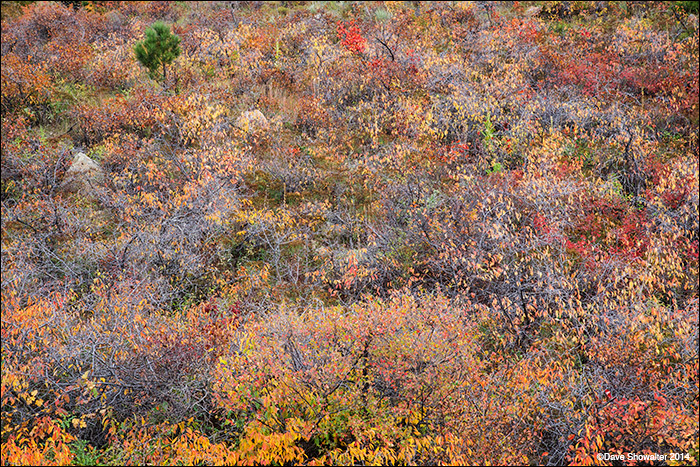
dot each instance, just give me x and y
(467, 233)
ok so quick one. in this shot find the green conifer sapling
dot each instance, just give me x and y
(159, 49)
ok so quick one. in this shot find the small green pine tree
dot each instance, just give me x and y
(689, 7)
(159, 49)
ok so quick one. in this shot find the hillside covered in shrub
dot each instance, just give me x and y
(355, 233)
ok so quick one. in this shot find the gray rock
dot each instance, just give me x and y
(84, 175)
(253, 121)
(533, 11)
